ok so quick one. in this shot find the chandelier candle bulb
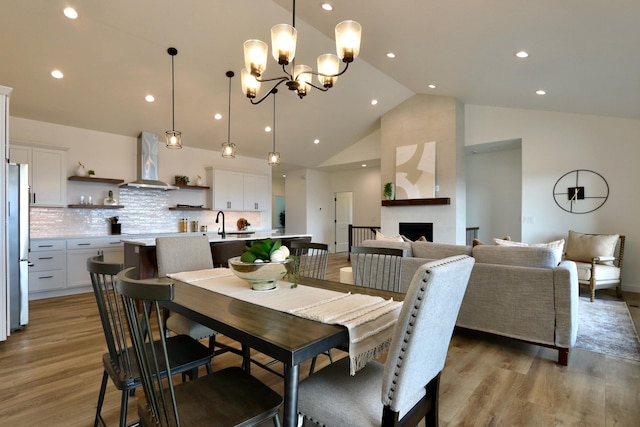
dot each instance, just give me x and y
(255, 54)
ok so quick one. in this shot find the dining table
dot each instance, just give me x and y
(285, 337)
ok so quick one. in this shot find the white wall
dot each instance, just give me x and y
(494, 193)
(366, 187)
(555, 143)
(309, 204)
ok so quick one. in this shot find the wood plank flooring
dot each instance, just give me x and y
(50, 375)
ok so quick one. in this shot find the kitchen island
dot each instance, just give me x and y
(141, 252)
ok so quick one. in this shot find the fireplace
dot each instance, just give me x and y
(414, 230)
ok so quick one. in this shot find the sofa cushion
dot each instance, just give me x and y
(391, 244)
(515, 255)
(603, 272)
(557, 246)
(584, 247)
(432, 250)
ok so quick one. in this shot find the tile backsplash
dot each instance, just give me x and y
(144, 212)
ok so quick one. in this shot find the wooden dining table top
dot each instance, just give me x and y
(283, 336)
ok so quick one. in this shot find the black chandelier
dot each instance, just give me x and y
(298, 77)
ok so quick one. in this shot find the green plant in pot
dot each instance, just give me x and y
(263, 263)
(388, 191)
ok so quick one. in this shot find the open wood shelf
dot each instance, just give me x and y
(418, 202)
(193, 187)
(175, 208)
(96, 206)
(96, 179)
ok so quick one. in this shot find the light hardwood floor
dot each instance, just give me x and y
(50, 375)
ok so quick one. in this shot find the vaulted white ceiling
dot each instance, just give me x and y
(584, 53)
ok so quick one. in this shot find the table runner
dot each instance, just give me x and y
(369, 319)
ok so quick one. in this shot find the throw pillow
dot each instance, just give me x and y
(408, 240)
(557, 245)
(380, 236)
(583, 247)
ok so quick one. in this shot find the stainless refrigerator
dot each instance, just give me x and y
(18, 244)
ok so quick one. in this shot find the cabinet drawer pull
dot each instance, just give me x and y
(114, 243)
(45, 277)
(46, 257)
(84, 244)
(45, 246)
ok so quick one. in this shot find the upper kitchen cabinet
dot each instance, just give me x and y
(256, 192)
(47, 173)
(227, 189)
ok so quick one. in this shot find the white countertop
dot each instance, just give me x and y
(151, 241)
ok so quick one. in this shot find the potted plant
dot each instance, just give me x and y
(182, 180)
(91, 173)
(388, 191)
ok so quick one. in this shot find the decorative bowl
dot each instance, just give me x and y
(261, 276)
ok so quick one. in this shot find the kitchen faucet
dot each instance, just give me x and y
(223, 233)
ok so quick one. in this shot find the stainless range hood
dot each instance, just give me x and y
(147, 160)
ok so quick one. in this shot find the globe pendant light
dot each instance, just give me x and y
(274, 156)
(174, 137)
(229, 148)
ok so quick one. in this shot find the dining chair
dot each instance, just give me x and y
(378, 268)
(119, 361)
(222, 251)
(178, 254)
(404, 390)
(229, 397)
(312, 258)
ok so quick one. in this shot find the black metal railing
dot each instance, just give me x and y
(359, 233)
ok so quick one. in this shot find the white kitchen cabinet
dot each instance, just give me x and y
(48, 269)
(47, 173)
(255, 192)
(227, 190)
(78, 250)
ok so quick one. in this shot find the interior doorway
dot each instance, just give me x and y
(343, 217)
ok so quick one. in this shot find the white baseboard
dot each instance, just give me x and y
(631, 288)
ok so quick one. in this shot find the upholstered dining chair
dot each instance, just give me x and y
(119, 361)
(378, 268)
(410, 377)
(598, 259)
(178, 254)
(229, 397)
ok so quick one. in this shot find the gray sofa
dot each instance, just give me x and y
(525, 293)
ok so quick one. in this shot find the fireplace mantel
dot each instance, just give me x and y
(418, 202)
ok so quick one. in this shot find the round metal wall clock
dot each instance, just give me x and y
(580, 191)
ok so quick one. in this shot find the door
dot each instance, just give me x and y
(344, 211)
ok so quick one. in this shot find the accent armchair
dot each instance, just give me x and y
(598, 259)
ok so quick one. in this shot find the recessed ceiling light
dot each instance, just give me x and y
(522, 54)
(391, 55)
(374, 102)
(149, 98)
(70, 13)
(431, 86)
(364, 165)
(327, 7)
(217, 116)
(57, 74)
(541, 92)
(316, 141)
(267, 129)
(284, 176)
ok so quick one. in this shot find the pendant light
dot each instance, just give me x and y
(298, 78)
(229, 148)
(174, 137)
(274, 156)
